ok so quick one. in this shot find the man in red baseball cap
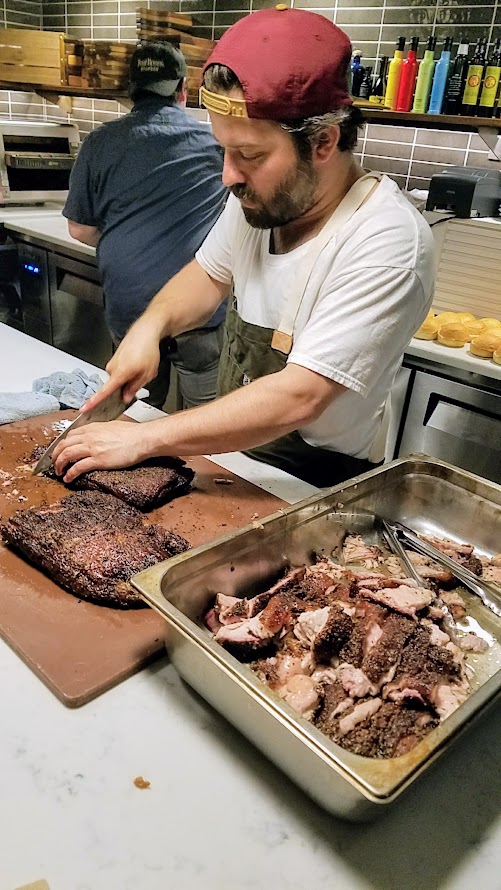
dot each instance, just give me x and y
(331, 270)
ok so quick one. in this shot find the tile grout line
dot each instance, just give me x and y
(379, 40)
(411, 159)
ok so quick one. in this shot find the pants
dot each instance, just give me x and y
(195, 356)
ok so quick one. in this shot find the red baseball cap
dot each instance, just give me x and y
(291, 64)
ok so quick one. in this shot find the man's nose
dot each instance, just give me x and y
(232, 175)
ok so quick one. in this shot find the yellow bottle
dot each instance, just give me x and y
(394, 75)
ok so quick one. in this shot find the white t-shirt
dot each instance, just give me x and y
(369, 291)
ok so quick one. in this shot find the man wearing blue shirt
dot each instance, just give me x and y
(145, 190)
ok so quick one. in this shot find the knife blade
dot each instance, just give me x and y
(109, 409)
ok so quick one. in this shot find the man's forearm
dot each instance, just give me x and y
(260, 412)
(187, 301)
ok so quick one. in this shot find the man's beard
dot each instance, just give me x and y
(292, 197)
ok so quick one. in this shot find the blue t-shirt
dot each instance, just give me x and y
(151, 183)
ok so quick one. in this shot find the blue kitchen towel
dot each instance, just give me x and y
(21, 405)
(70, 389)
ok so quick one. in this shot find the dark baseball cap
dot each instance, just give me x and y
(158, 65)
(291, 64)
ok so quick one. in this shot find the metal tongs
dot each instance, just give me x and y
(398, 533)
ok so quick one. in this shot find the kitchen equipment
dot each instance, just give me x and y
(36, 158)
(63, 302)
(467, 278)
(435, 498)
(79, 649)
(109, 409)
(466, 191)
(489, 596)
(454, 419)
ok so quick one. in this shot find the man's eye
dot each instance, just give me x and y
(251, 157)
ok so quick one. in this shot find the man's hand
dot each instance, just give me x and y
(99, 446)
(134, 363)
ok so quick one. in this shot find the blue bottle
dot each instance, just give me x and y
(357, 73)
(440, 78)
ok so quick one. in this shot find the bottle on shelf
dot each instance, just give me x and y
(394, 74)
(440, 78)
(378, 86)
(365, 86)
(357, 73)
(424, 78)
(474, 77)
(490, 84)
(408, 77)
(455, 86)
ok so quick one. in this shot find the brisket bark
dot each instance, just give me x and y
(146, 486)
(92, 543)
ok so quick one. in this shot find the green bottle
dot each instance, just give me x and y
(492, 76)
(474, 77)
(424, 78)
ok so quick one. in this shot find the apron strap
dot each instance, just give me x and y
(360, 191)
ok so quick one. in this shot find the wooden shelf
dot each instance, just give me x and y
(438, 121)
(87, 92)
(488, 128)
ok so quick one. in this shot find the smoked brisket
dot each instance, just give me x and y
(146, 486)
(92, 543)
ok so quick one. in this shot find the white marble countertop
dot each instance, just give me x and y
(218, 815)
(460, 358)
(48, 224)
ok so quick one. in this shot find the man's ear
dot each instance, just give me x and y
(183, 93)
(327, 143)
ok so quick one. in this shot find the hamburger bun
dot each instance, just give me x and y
(428, 330)
(454, 335)
(466, 316)
(485, 344)
(474, 328)
(491, 323)
(447, 318)
(496, 355)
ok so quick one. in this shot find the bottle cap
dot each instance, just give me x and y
(432, 42)
(400, 43)
(414, 43)
(447, 44)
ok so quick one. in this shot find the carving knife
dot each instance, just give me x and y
(109, 409)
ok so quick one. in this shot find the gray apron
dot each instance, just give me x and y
(251, 351)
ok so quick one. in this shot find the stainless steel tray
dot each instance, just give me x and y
(431, 497)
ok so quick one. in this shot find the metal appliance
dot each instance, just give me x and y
(467, 278)
(453, 416)
(10, 296)
(466, 192)
(63, 303)
(36, 160)
(433, 498)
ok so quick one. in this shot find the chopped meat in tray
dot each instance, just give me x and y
(92, 543)
(356, 648)
(146, 486)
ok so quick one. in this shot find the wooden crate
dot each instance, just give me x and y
(161, 19)
(156, 25)
(32, 57)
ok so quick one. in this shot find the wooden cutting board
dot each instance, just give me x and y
(77, 648)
